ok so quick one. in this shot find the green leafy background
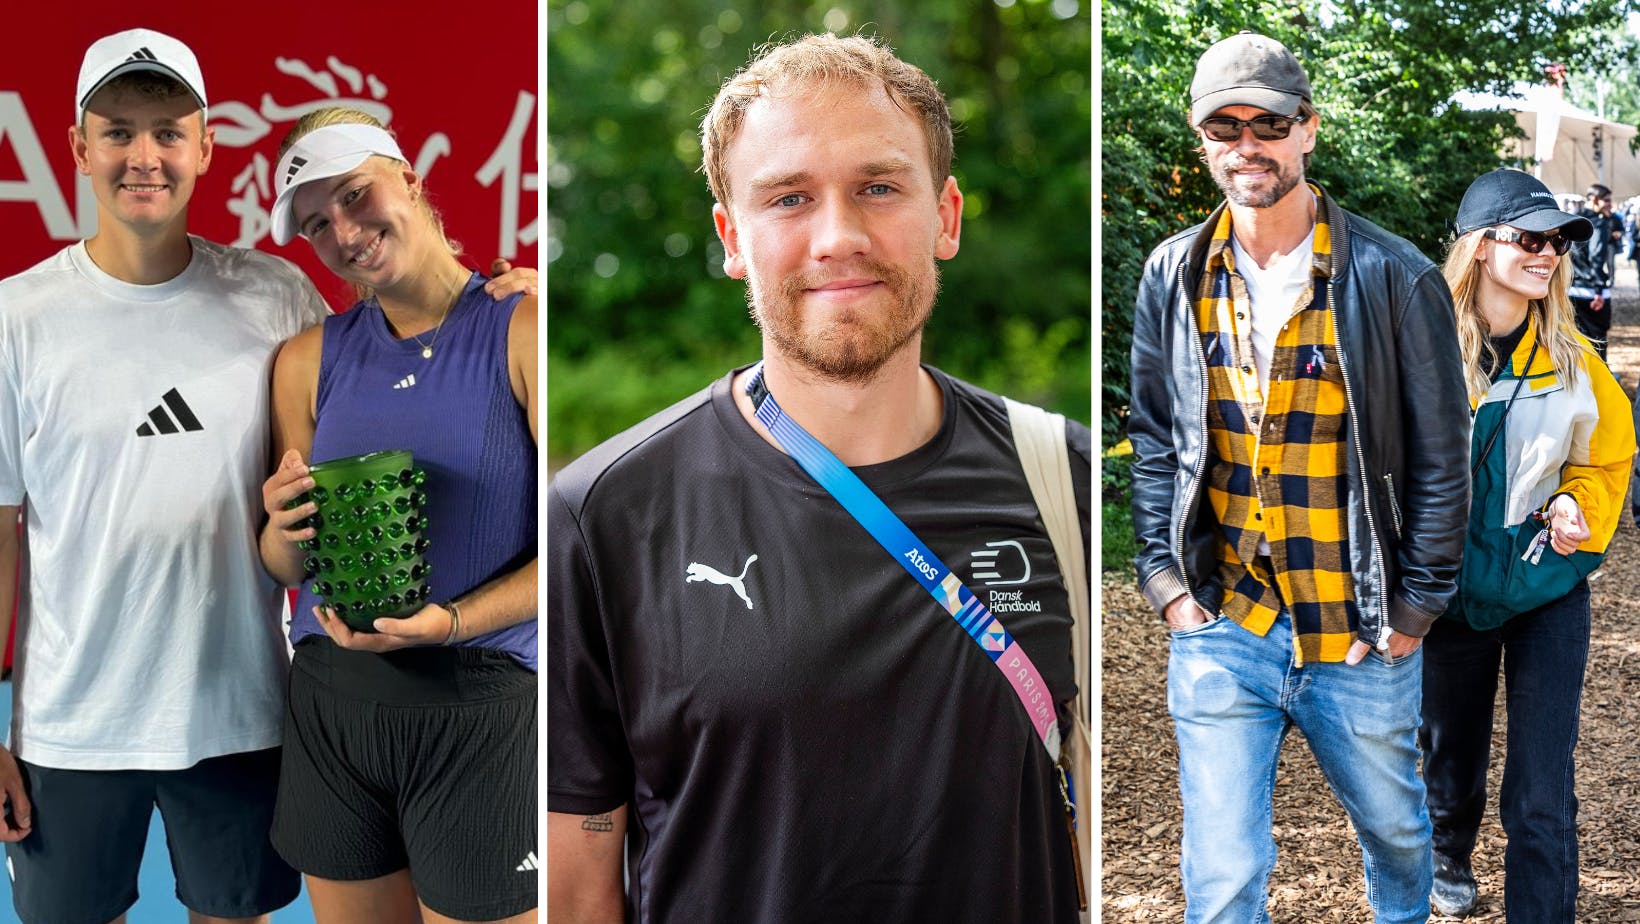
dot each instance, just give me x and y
(1391, 146)
(639, 312)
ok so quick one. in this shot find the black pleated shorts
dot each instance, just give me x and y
(423, 758)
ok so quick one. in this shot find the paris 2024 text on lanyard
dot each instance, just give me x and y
(919, 561)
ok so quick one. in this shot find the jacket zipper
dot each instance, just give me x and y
(1394, 504)
(1360, 460)
(1201, 454)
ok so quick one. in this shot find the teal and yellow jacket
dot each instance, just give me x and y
(1558, 438)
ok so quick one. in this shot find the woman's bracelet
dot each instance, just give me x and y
(455, 621)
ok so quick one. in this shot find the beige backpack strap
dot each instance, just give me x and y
(1039, 438)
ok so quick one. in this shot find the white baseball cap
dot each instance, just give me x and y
(320, 154)
(136, 50)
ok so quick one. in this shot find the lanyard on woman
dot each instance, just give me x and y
(1475, 469)
(915, 557)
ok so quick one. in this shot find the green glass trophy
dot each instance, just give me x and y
(368, 559)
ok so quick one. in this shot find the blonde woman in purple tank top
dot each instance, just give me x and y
(408, 788)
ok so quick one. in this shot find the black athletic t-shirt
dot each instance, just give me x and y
(803, 734)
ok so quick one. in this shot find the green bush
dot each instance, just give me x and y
(1391, 146)
(638, 310)
(1118, 545)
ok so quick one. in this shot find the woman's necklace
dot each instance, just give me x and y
(427, 348)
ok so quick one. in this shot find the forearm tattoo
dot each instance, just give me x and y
(598, 823)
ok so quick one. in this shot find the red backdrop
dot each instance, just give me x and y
(459, 92)
(458, 86)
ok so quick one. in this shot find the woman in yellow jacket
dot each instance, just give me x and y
(1549, 453)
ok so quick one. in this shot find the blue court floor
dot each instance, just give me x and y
(157, 887)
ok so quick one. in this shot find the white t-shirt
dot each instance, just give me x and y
(134, 421)
(1274, 292)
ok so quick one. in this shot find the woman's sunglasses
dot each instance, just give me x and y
(1530, 241)
(1265, 127)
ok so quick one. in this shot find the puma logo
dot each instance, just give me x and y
(700, 572)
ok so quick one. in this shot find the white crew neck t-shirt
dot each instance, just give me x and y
(1274, 292)
(134, 421)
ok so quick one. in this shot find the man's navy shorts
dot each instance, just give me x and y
(79, 865)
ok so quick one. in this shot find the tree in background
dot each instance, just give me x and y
(639, 313)
(1392, 147)
(1613, 89)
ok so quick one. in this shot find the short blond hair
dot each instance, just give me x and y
(145, 85)
(818, 61)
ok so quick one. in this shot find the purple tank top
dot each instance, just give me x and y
(457, 415)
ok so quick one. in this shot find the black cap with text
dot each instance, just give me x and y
(1519, 200)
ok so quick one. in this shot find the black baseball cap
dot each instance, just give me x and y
(1519, 200)
(1247, 69)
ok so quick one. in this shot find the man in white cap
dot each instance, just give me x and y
(150, 664)
(1300, 488)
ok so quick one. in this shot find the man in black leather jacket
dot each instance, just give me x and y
(1300, 525)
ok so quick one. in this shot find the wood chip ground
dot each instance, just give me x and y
(1318, 874)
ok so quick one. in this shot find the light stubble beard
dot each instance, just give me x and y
(851, 350)
(1285, 182)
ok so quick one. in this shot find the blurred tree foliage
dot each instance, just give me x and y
(639, 311)
(1612, 88)
(1391, 147)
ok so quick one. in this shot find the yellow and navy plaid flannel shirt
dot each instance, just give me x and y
(1277, 467)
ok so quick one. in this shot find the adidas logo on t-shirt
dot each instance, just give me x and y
(408, 381)
(160, 423)
(530, 863)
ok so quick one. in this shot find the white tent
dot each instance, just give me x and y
(1571, 147)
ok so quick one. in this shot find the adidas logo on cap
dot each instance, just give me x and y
(136, 50)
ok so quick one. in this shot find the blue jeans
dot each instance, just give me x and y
(1543, 654)
(1233, 696)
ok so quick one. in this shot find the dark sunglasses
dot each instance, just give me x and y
(1265, 127)
(1530, 241)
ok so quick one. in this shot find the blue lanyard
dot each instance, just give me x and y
(915, 557)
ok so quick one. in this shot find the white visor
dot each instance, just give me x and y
(321, 154)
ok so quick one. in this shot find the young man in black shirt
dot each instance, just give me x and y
(784, 726)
